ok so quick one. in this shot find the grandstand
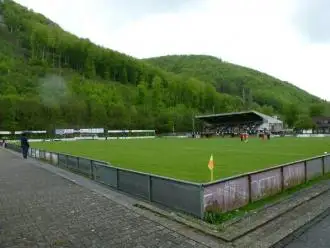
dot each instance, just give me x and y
(232, 124)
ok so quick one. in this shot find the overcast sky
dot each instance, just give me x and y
(289, 39)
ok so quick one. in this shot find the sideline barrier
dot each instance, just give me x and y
(174, 194)
(235, 192)
(192, 198)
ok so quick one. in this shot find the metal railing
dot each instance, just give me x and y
(235, 192)
(174, 194)
(192, 198)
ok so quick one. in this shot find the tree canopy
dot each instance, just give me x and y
(258, 90)
(50, 78)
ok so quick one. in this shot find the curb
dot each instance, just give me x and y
(268, 205)
(210, 229)
(301, 230)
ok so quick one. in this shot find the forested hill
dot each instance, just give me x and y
(237, 80)
(50, 78)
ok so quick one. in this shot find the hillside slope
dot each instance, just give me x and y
(51, 78)
(237, 80)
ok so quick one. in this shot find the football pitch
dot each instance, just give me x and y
(187, 159)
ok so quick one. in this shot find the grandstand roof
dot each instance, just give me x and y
(238, 117)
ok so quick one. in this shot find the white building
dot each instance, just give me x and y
(270, 123)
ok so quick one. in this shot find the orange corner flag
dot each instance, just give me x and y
(211, 163)
(211, 166)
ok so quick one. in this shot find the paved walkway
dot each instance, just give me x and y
(318, 236)
(39, 208)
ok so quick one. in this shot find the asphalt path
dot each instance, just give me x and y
(317, 236)
(41, 209)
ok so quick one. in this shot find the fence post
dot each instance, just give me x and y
(58, 159)
(149, 188)
(118, 178)
(92, 170)
(78, 161)
(305, 169)
(201, 199)
(250, 188)
(282, 178)
(323, 165)
(66, 161)
(117, 182)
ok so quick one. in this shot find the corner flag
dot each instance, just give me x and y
(211, 166)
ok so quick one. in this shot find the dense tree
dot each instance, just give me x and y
(50, 78)
(267, 110)
(291, 114)
(317, 109)
(304, 122)
(251, 85)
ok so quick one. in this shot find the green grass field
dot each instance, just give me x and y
(187, 159)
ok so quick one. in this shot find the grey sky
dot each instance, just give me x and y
(130, 10)
(313, 20)
(267, 35)
(141, 8)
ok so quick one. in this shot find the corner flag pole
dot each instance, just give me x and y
(211, 166)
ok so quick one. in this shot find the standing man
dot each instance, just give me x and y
(24, 145)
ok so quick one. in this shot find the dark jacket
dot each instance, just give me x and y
(24, 142)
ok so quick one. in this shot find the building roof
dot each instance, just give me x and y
(238, 117)
(268, 118)
(321, 118)
(321, 121)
